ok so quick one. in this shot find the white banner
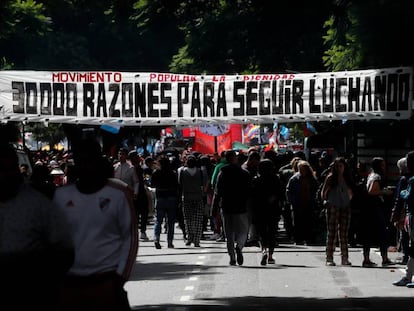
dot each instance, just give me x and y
(129, 98)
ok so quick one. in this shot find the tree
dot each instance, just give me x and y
(85, 35)
(52, 133)
(198, 36)
(369, 34)
(250, 36)
(22, 23)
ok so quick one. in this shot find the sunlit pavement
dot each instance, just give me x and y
(190, 278)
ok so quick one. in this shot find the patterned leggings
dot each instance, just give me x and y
(193, 218)
(337, 220)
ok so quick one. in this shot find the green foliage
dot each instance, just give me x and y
(345, 49)
(368, 34)
(247, 36)
(53, 133)
(22, 24)
(225, 36)
(156, 23)
(4, 64)
(182, 61)
(198, 36)
(23, 18)
(296, 132)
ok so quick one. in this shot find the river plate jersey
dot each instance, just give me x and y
(101, 225)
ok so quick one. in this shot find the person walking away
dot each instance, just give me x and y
(398, 213)
(180, 213)
(216, 214)
(285, 173)
(301, 193)
(149, 166)
(206, 168)
(191, 184)
(374, 216)
(141, 202)
(231, 195)
(250, 166)
(408, 197)
(267, 193)
(336, 195)
(103, 228)
(36, 248)
(165, 182)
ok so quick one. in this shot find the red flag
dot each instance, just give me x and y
(224, 142)
(188, 132)
(306, 131)
(236, 132)
(203, 143)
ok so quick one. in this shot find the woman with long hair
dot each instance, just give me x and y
(301, 193)
(375, 225)
(336, 194)
(190, 179)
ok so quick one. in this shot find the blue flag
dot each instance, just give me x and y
(310, 127)
(111, 128)
(284, 132)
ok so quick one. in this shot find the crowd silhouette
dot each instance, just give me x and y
(243, 198)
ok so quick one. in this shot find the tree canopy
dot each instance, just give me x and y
(198, 36)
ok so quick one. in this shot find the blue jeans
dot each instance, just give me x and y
(165, 207)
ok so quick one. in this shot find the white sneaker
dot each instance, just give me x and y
(144, 236)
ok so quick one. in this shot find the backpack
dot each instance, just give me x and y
(407, 195)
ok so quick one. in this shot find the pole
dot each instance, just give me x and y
(215, 144)
(23, 134)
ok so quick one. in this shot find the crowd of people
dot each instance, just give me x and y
(320, 199)
(92, 216)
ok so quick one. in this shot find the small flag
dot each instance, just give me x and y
(251, 131)
(284, 132)
(111, 128)
(310, 127)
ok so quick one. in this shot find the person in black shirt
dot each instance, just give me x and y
(165, 182)
(231, 194)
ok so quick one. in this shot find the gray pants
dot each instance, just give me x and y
(236, 228)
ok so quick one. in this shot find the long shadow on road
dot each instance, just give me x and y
(290, 304)
(175, 270)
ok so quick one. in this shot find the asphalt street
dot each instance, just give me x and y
(190, 278)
